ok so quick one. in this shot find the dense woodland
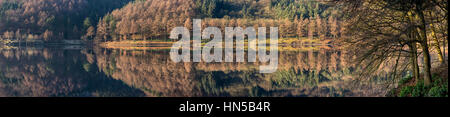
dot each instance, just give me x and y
(52, 19)
(153, 19)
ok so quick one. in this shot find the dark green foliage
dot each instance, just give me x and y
(207, 8)
(278, 9)
(87, 23)
(405, 80)
(419, 90)
(405, 91)
(306, 8)
(438, 89)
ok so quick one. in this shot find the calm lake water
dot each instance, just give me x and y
(73, 71)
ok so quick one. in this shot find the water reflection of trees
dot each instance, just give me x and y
(115, 72)
(54, 72)
(309, 73)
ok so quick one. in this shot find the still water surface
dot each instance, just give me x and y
(73, 71)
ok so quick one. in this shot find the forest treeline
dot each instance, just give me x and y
(154, 19)
(52, 19)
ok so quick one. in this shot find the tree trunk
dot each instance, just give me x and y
(413, 47)
(427, 64)
(414, 63)
(423, 42)
(436, 44)
(444, 45)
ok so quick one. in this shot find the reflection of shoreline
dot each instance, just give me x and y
(64, 47)
(306, 58)
(310, 73)
(284, 47)
(284, 44)
(55, 72)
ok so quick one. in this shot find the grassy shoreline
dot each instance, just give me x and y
(285, 44)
